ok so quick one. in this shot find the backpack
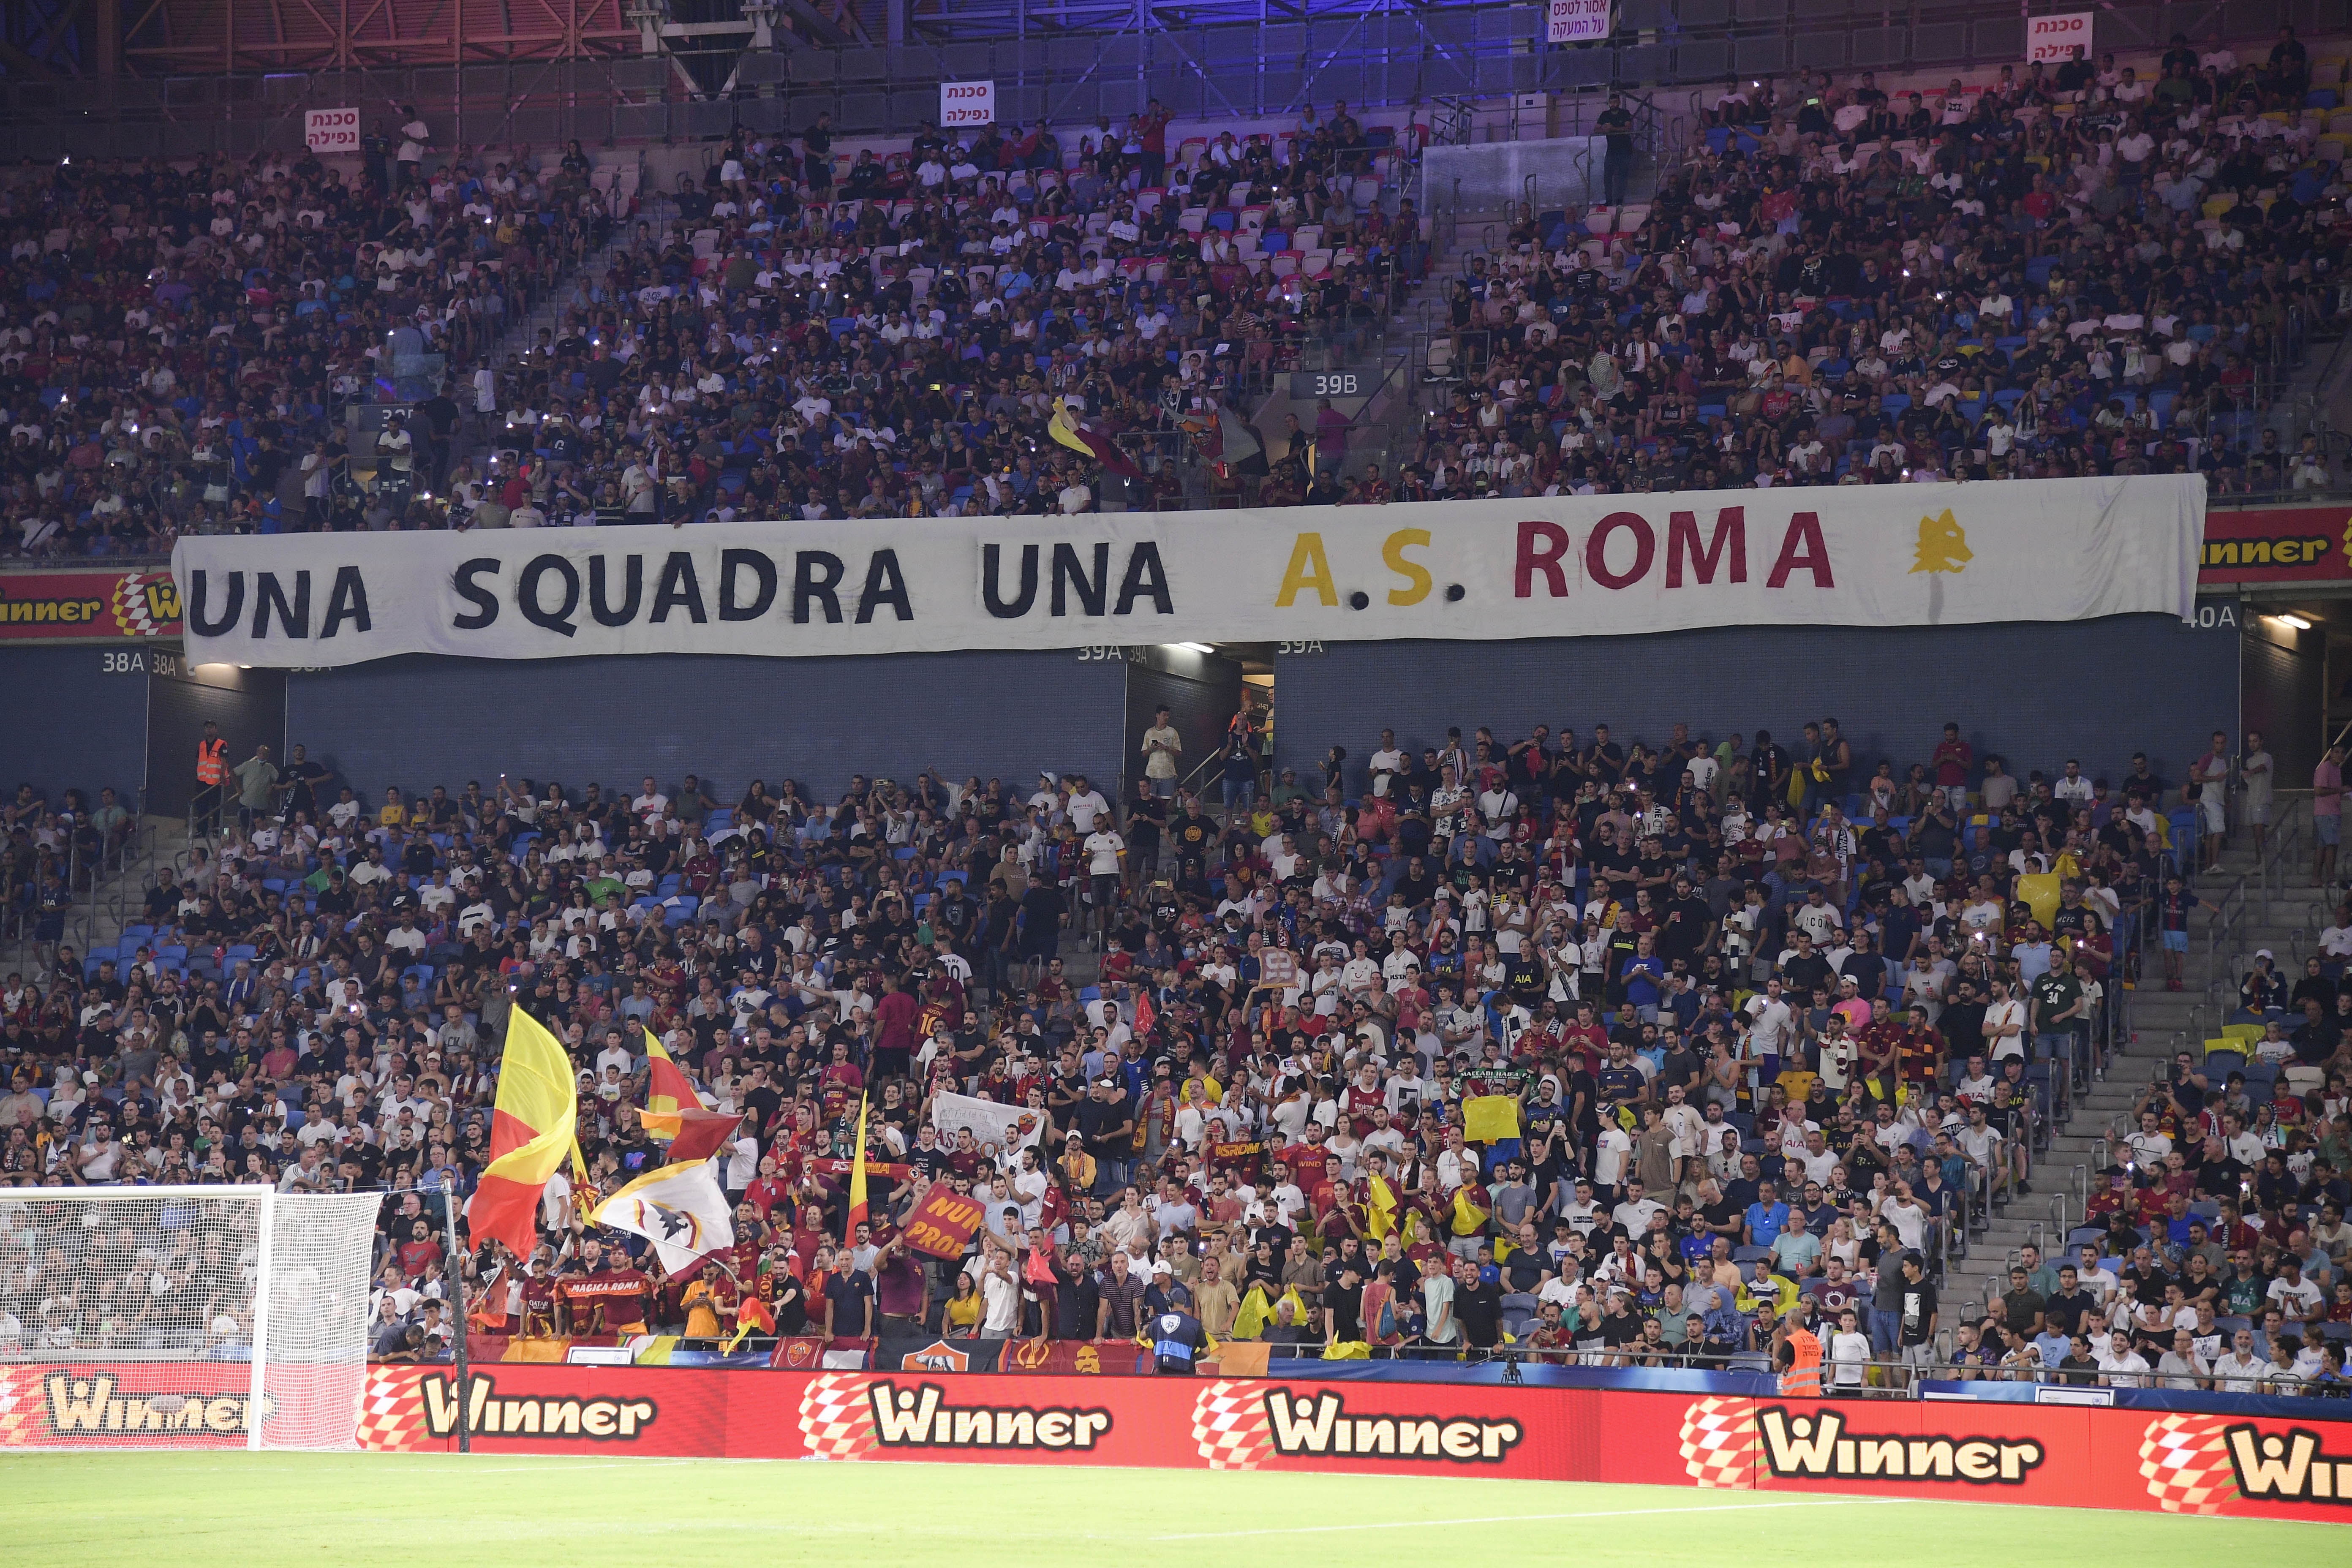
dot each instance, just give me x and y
(1380, 1323)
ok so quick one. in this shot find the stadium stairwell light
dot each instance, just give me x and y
(1196, 648)
(2297, 622)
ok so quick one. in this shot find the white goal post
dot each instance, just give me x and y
(182, 1317)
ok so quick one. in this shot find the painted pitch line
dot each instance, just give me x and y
(1533, 1518)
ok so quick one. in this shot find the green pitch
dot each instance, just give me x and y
(446, 1510)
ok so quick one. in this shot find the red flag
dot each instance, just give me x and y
(702, 1133)
(1144, 1015)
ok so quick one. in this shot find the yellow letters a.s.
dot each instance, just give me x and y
(1308, 568)
(1415, 574)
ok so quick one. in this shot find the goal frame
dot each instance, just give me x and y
(265, 1197)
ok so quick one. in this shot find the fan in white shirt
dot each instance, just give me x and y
(1084, 807)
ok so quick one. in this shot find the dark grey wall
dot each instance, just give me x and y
(1202, 692)
(422, 720)
(65, 724)
(2285, 683)
(248, 706)
(2037, 693)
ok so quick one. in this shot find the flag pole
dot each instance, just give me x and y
(458, 1262)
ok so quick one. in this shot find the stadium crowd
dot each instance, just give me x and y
(178, 341)
(1637, 1054)
(2055, 272)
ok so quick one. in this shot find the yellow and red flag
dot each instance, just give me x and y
(1073, 430)
(674, 1112)
(857, 1178)
(532, 1132)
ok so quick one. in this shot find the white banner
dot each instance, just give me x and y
(964, 104)
(999, 1127)
(2054, 39)
(330, 129)
(1885, 555)
(1576, 21)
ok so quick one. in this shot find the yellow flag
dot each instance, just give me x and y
(1383, 1207)
(1490, 1118)
(2041, 895)
(1469, 1219)
(1249, 1322)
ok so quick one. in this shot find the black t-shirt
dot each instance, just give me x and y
(1917, 1304)
(1347, 1304)
(1807, 973)
(1480, 1308)
(2064, 1314)
(852, 1298)
(1683, 928)
(1617, 124)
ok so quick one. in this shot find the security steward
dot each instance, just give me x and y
(1177, 1341)
(212, 781)
(1797, 1354)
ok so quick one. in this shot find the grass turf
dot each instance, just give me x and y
(446, 1510)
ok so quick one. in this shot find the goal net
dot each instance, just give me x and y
(182, 1317)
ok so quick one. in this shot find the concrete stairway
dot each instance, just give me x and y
(2155, 1023)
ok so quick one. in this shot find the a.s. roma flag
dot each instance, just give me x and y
(532, 1131)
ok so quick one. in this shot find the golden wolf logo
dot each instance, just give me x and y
(1943, 545)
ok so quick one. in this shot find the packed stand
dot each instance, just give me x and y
(805, 334)
(179, 344)
(1634, 1055)
(894, 339)
(2060, 272)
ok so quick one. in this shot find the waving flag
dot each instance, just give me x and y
(1469, 1219)
(675, 1114)
(1144, 1015)
(1070, 431)
(1383, 1206)
(1490, 1118)
(857, 1178)
(679, 1208)
(532, 1131)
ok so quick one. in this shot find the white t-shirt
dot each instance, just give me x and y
(1849, 1354)
(1000, 1302)
(1085, 808)
(2296, 1299)
(1102, 852)
(2010, 1012)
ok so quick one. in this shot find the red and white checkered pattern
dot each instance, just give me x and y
(130, 605)
(2186, 1462)
(392, 1410)
(836, 1420)
(1719, 1442)
(1230, 1429)
(23, 1414)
